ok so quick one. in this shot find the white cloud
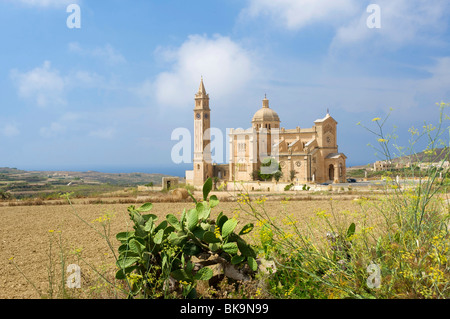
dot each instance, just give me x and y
(46, 87)
(106, 133)
(86, 79)
(43, 85)
(437, 84)
(403, 22)
(68, 121)
(55, 129)
(296, 14)
(106, 53)
(224, 64)
(10, 130)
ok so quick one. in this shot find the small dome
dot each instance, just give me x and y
(265, 114)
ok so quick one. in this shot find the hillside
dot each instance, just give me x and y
(20, 183)
(123, 179)
(439, 155)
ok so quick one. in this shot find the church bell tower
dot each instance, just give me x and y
(202, 137)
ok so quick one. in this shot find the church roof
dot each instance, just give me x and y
(335, 155)
(265, 114)
(309, 143)
(293, 143)
(328, 116)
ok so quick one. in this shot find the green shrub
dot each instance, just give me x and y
(155, 253)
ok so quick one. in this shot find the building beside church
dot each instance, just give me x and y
(303, 155)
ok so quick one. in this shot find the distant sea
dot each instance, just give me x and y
(173, 170)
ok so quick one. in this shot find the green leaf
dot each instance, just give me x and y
(252, 263)
(221, 219)
(192, 293)
(158, 237)
(140, 231)
(230, 248)
(204, 273)
(176, 239)
(148, 216)
(199, 232)
(149, 225)
(183, 218)
(203, 211)
(145, 208)
(207, 188)
(205, 226)
(246, 229)
(213, 201)
(228, 227)
(168, 230)
(204, 215)
(210, 237)
(245, 248)
(126, 262)
(218, 217)
(123, 247)
(128, 253)
(123, 236)
(136, 246)
(351, 230)
(199, 207)
(192, 219)
(162, 225)
(189, 266)
(121, 273)
(237, 259)
(137, 218)
(191, 249)
(181, 274)
(214, 246)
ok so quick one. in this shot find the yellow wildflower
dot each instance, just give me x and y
(217, 231)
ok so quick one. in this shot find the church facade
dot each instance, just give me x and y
(267, 150)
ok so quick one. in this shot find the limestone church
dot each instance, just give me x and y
(304, 155)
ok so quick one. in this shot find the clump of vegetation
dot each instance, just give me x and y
(270, 169)
(164, 260)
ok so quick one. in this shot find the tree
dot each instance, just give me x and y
(255, 175)
(215, 181)
(267, 162)
(277, 175)
(292, 174)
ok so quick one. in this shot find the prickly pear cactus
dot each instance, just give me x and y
(162, 252)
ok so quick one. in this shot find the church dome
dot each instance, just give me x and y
(265, 114)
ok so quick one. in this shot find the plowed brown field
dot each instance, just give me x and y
(25, 236)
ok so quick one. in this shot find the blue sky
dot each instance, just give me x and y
(108, 95)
